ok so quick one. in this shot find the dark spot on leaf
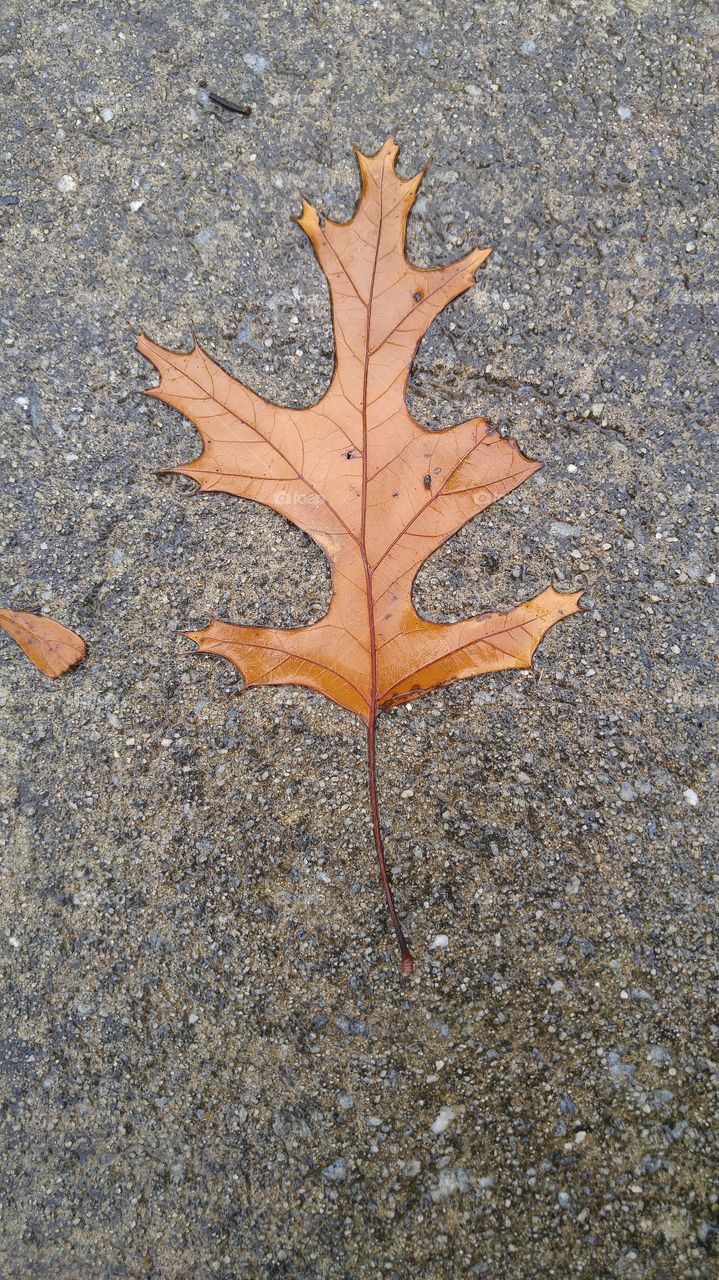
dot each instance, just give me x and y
(428, 482)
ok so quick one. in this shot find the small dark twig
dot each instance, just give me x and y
(229, 106)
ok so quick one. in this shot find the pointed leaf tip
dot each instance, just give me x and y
(482, 255)
(196, 636)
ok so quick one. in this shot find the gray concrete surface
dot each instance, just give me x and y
(210, 1067)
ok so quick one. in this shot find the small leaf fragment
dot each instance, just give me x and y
(53, 648)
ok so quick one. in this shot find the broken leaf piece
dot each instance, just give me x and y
(51, 646)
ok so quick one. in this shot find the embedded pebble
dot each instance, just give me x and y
(443, 1120)
(256, 63)
(558, 529)
(450, 1182)
(337, 1171)
(658, 1054)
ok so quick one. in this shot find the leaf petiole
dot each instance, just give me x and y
(407, 961)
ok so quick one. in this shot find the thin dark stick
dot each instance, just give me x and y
(407, 961)
(229, 106)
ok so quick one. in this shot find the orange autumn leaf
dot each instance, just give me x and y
(374, 489)
(52, 647)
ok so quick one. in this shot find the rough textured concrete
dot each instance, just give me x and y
(210, 1067)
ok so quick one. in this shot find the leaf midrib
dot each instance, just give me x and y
(372, 710)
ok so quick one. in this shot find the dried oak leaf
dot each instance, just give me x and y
(377, 491)
(52, 647)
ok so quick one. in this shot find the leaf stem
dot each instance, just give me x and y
(407, 961)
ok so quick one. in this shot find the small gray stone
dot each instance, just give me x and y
(256, 63)
(450, 1182)
(337, 1171)
(658, 1054)
(558, 529)
(443, 1120)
